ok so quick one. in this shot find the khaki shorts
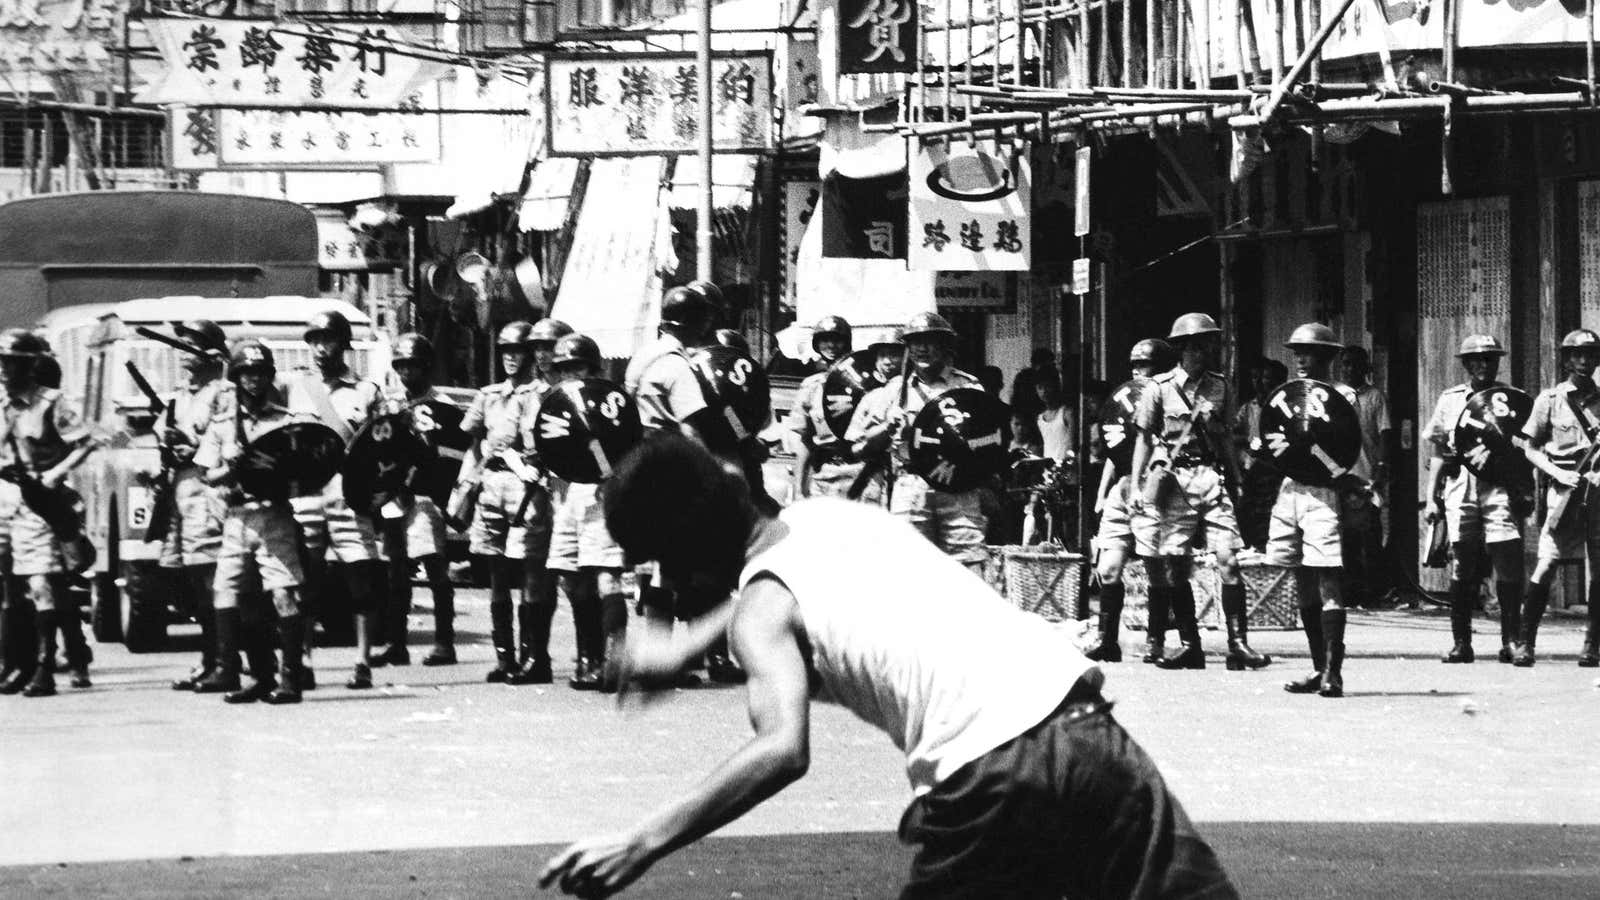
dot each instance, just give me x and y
(955, 523)
(1476, 512)
(492, 532)
(422, 528)
(34, 548)
(1115, 531)
(833, 479)
(1566, 543)
(260, 552)
(10, 499)
(1304, 530)
(194, 535)
(1197, 510)
(578, 536)
(332, 530)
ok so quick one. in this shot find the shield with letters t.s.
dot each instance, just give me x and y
(1117, 421)
(584, 428)
(1310, 432)
(1483, 436)
(381, 459)
(737, 394)
(843, 387)
(292, 460)
(959, 439)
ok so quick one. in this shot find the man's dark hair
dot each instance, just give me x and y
(671, 501)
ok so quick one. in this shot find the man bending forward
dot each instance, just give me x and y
(1024, 784)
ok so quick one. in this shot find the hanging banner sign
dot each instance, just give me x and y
(864, 218)
(341, 248)
(877, 36)
(645, 104)
(269, 139)
(800, 200)
(51, 37)
(250, 62)
(969, 208)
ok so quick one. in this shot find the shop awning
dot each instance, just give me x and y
(611, 287)
(733, 176)
(544, 203)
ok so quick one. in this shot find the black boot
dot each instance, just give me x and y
(1333, 621)
(505, 650)
(225, 677)
(1590, 657)
(291, 635)
(444, 614)
(75, 643)
(43, 682)
(590, 639)
(1158, 605)
(1190, 655)
(21, 655)
(1510, 594)
(535, 621)
(1538, 597)
(1109, 650)
(1311, 621)
(1462, 599)
(198, 588)
(263, 666)
(1237, 616)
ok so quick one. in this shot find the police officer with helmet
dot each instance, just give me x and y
(42, 438)
(1561, 434)
(953, 521)
(1113, 541)
(1483, 519)
(1180, 488)
(824, 464)
(194, 531)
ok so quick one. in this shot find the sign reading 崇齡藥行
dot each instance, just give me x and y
(638, 104)
(969, 208)
(55, 37)
(255, 62)
(877, 36)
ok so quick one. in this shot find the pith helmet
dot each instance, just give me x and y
(1314, 334)
(514, 336)
(1191, 325)
(1579, 337)
(1150, 350)
(548, 331)
(924, 324)
(1481, 345)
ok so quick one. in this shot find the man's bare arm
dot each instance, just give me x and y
(765, 639)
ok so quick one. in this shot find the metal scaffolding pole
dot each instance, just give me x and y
(702, 225)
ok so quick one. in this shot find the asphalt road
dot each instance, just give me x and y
(1426, 780)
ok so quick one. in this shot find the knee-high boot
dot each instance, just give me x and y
(1589, 658)
(1190, 654)
(43, 682)
(290, 635)
(1463, 597)
(1538, 597)
(1237, 616)
(73, 639)
(225, 677)
(1158, 606)
(262, 661)
(444, 613)
(19, 647)
(1111, 598)
(1311, 622)
(1510, 594)
(1333, 622)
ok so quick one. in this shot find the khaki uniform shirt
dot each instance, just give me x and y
(1553, 427)
(662, 382)
(41, 425)
(1168, 405)
(919, 391)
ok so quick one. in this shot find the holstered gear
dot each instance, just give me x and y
(1111, 598)
(1462, 599)
(1237, 616)
(43, 682)
(1532, 613)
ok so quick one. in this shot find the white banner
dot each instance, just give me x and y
(969, 207)
(800, 200)
(246, 62)
(58, 36)
(263, 138)
(634, 104)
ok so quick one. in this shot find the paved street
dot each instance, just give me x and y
(1426, 780)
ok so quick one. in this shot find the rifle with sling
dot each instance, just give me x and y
(1569, 501)
(164, 482)
(57, 506)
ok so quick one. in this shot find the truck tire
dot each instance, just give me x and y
(105, 609)
(144, 608)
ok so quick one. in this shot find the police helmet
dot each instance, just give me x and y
(708, 290)
(1193, 324)
(514, 336)
(896, 337)
(1314, 335)
(928, 324)
(415, 349)
(330, 325)
(685, 306)
(1150, 351)
(548, 331)
(204, 334)
(1481, 345)
(21, 343)
(728, 337)
(250, 355)
(576, 347)
(1579, 338)
(834, 327)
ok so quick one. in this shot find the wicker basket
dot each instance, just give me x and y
(1041, 580)
(1270, 597)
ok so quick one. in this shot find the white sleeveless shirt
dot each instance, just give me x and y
(913, 642)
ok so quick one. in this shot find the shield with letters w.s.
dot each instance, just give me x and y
(584, 428)
(1310, 432)
(959, 439)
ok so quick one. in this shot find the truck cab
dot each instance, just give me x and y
(131, 601)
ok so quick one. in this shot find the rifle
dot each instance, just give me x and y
(883, 462)
(161, 504)
(172, 342)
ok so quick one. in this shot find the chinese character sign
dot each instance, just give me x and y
(877, 36)
(969, 208)
(642, 104)
(58, 36)
(800, 199)
(244, 62)
(267, 138)
(864, 218)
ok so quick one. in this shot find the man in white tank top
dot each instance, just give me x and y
(1024, 785)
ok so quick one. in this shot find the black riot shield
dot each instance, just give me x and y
(738, 396)
(584, 428)
(1483, 434)
(380, 461)
(958, 439)
(292, 460)
(1310, 432)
